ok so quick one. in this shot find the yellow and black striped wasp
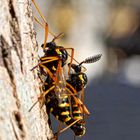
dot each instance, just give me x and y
(71, 110)
(54, 58)
(58, 92)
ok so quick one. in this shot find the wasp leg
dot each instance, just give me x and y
(85, 110)
(74, 92)
(45, 26)
(64, 129)
(58, 70)
(46, 36)
(49, 72)
(77, 100)
(37, 20)
(41, 15)
(44, 62)
(47, 61)
(42, 98)
(72, 56)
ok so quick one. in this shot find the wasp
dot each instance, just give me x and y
(61, 96)
(71, 111)
(78, 80)
(52, 62)
(55, 56)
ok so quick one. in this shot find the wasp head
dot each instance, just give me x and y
(76, 68)
(49, 45)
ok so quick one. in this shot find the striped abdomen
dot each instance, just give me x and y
(62, 112)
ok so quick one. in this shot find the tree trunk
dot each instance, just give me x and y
(19, 87)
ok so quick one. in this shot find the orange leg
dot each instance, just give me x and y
(41, 15)
(61, 131)
(57, 37)
(72, 55)
(42, 98)
(37, 20)
(47, 60)
(49, 72)
(45, 26)
(64, 129)
(58, 70)
(77, 100)
(50, 59)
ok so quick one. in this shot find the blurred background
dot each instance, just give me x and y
(112, 28)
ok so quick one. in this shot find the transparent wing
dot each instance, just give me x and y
(60, 83)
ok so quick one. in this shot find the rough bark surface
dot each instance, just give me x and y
(19, 87)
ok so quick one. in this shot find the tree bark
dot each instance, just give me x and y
(19, 87)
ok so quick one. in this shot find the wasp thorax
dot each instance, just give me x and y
(78, 80)
(49, 45)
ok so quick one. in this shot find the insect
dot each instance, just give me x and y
(61, 96)
(78, 80)
(70, 111)
(52, 52)
(62, 112)
(52, 62)
(54, 58)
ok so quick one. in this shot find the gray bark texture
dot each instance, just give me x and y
(19, 87)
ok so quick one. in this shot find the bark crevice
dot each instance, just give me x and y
(7, 62)
(18, 119)
(16, 35)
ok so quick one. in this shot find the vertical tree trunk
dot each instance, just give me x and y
(18, 85)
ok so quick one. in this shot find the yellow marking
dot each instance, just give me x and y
(74, 105)
(78, 117)
(48, 100)
(67, 119)
(58, 51)
(65, 113)
(53, 68)
(45, 84)
(81, 78)
(77, 111)
(57, 117)
(65, 96)
(51, 110)
(64, 105)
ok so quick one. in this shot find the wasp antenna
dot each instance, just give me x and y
(91, 59)
(58, 36)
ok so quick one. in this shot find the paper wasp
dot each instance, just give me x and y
(71, 111)
(55, 56)
(57, 89)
